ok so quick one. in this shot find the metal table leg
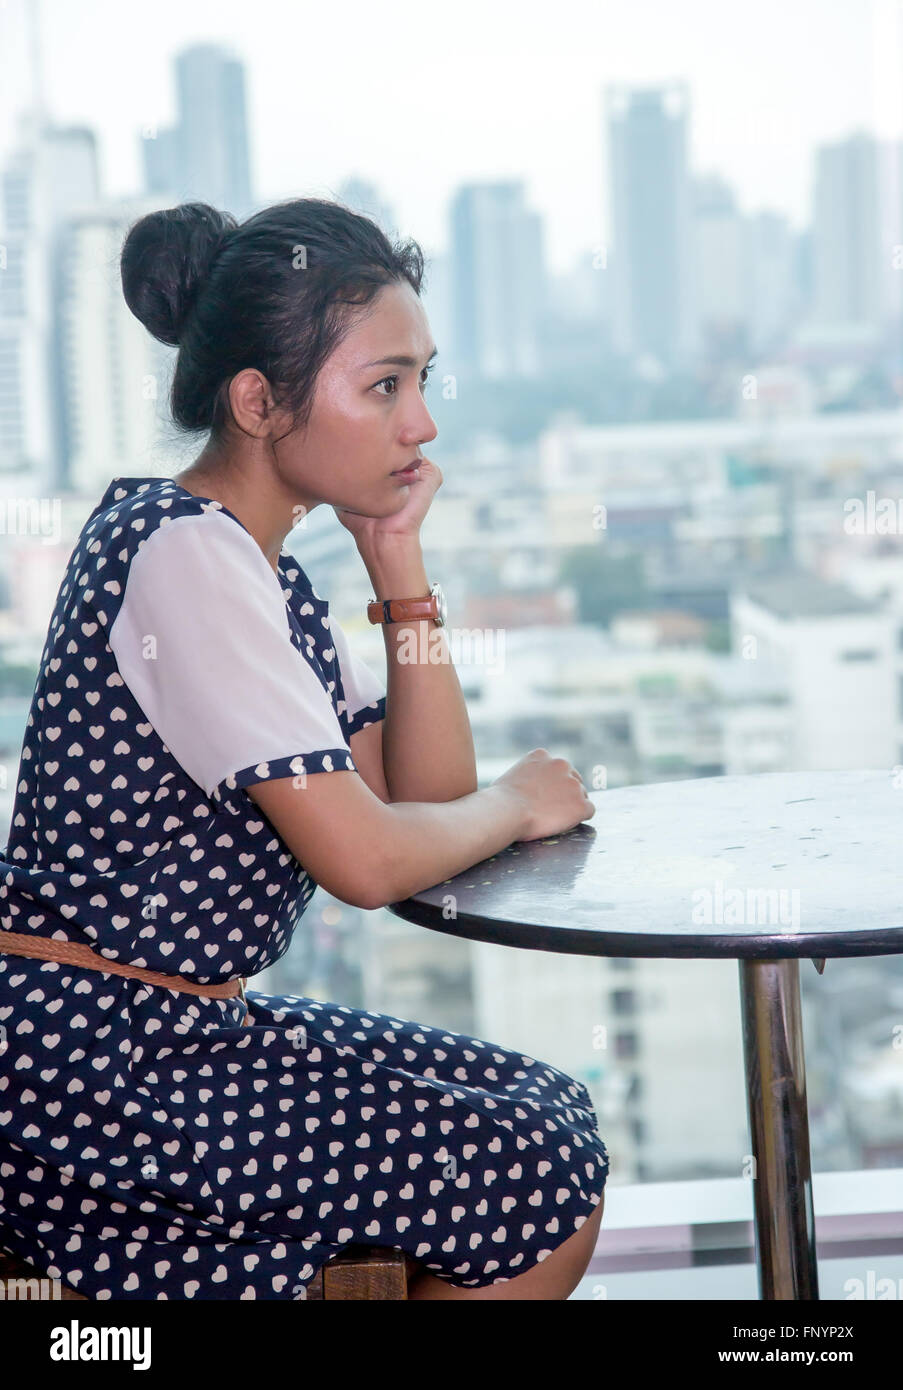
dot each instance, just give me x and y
(779, 1128)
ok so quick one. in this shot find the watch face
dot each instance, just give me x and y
(440, 598)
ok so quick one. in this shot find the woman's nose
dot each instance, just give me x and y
(426, 426)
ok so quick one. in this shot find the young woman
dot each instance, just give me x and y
(203, 749)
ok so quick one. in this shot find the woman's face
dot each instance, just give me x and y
(368, 417)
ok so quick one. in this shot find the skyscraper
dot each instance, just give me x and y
(845, 232)
(499, 280)
(652, 262)
(204, 156)
(722, 267)
(857, 221)
(774, 291)
(50, 176)
(115, 375)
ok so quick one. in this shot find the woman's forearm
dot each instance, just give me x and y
(428, 752)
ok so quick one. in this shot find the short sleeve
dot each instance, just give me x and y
(203, 641)
(365, 693)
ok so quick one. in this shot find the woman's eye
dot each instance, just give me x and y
(425, 375)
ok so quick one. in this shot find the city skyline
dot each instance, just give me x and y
(669, 536)
(765, 151)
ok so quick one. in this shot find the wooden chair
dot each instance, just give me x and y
(362, 1271)
(358, 1272)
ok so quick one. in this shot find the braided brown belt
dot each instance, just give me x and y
(76, 953)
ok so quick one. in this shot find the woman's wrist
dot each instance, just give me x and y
(514, 809)
(395, 566)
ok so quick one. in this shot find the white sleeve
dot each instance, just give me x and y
(204, 642)
(365, 693)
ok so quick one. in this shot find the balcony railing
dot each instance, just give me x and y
(694, 1240)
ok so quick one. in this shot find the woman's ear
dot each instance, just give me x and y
(252, 402)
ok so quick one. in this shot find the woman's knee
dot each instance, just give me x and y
(556, 1277)
(591, 1226)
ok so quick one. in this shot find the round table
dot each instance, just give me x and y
(765, 868)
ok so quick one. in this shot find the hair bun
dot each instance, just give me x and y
(165, 259)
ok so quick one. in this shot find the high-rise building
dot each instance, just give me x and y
(115, 375)
(204, 156)
(774, 291)
(50, 175)
(747, 290)
(722, 266)
(857, 222)
(499, 281)
(652, 260)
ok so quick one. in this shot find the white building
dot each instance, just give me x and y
(839, 655)
(50, 171)
(116, 375)
(857, 222)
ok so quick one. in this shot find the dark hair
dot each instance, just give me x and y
(271, 293)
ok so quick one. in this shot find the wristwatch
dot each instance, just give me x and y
(400, 610)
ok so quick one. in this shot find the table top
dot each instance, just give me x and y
(761, 866)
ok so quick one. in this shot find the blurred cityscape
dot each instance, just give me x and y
(672, 486)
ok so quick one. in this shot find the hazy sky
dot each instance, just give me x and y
(418, 98)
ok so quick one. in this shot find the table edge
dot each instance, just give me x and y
(531, 936)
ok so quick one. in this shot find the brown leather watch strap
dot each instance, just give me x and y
(400, 610)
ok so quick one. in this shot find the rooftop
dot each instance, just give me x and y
(799, 594)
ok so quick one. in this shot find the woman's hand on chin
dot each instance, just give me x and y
(404, 523)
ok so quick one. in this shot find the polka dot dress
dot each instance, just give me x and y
(153, 1147)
